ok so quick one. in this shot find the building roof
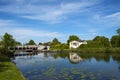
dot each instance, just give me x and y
(78, 40)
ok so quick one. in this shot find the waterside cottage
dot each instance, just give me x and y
(75, 44)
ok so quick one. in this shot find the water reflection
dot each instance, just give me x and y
(75, 58)
(72, 57)
(70, 66)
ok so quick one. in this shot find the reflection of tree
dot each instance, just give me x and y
(60, 55)
(116, 57)
(98, 56)
(46, 54)
(76, 57)
(119, 67)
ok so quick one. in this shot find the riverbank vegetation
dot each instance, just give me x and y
(8, 70)
(99, 44)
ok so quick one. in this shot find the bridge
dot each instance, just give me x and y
(30, 48)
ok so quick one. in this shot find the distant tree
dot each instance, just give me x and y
(0, 43)
(40, 43)
(115, 41)
(7, 41)
(31, 42)
(72, 37)
(55, 41)
(118, 31)
(64, 46)
(101, 41)
(47, 44)
(17, 43)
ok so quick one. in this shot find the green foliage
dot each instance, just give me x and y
(8, 71)
(17, 43)
(97, 42)
(118, 31)
(72, 37)
(31, 42)
(101, 41)
(115, 41)
(60, 47)
(7, 41)
(56, 47)
(64, 46)
(47, 44)
(40, 43)
(55, 42)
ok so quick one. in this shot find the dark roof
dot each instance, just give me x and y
(82, 40)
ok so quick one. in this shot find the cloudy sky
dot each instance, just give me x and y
(43, 20)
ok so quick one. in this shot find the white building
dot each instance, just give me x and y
(42, 47)
(75, 44)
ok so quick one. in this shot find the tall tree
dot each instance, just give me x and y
(31, 42)
(115, 41)
(55, 41)
(40, 43)
(101, 41)
(72, 37)
(7, 41)
(118, 31)
(17, 43)
(47, 44)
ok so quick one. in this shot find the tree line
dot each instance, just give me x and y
(97, 42)
(7, 41)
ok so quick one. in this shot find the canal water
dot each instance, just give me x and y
(69, 66)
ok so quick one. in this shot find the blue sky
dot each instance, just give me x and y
(43, 20)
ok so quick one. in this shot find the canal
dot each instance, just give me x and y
(69, 66)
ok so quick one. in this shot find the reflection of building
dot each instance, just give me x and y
(75, 58)
(76, 44)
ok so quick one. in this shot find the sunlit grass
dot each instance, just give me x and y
(8, 71)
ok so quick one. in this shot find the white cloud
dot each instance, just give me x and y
(25, 34)
(35, 33)
(49, 13)
(111, 20)
(4, 23)
(114, 15)
(59, 13)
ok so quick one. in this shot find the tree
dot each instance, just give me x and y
(47, 44)
(55, 41)
(17, 43)
(40, 43)
(101, 41)
(31, 42)
(118, 31)
(72, 37)
(115, 41)
(7, 41)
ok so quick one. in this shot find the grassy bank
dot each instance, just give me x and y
(97, 50)
(8, 70)
(89, 50)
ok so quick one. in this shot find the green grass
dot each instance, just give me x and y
(8, 70)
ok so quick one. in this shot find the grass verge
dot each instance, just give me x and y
(8, 70)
